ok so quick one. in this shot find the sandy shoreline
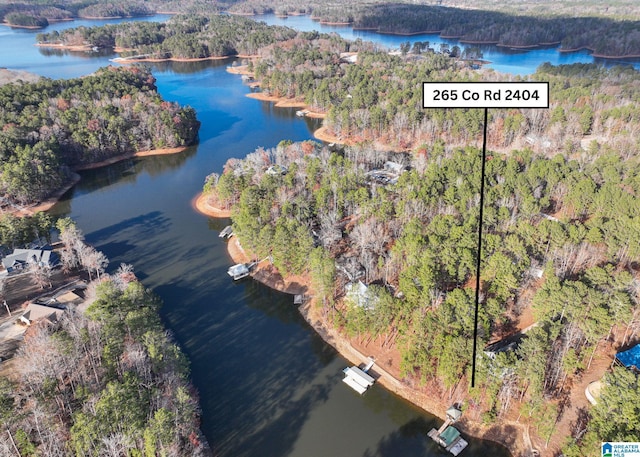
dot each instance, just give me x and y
(28, 27)
(47, 204)
(126, 60)
(387, 374)
(283, 102)
(201, 203)
(280, 102)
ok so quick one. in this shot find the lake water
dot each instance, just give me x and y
(269, 386)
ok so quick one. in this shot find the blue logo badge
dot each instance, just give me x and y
(607, 450)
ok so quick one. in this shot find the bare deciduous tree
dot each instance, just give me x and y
(41, 274)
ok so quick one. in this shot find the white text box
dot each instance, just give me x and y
(485, 95)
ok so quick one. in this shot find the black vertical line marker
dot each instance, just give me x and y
(479, 258)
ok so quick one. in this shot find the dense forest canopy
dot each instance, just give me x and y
(110, 381)
(561, 216)
(50, 126)
(562, 202)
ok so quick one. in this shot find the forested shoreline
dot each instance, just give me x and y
(607, 37)
(104, 377)
(607, 33)
(182, 37)
(562, 217)
(414, 244)
(108, 381)
(563, 204)
(379, 99)
(40, 14)
(53, 126)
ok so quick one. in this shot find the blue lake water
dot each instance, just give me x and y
(269, 385)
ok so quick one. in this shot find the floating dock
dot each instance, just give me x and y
(357, 378)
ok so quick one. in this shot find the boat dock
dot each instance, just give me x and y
(302, 112)
(239, 271)
(448, 436)
(357, 378)
(226, 232)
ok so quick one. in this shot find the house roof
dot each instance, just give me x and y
(34, 312)
(454, 413)
(449, 435)
(358, 293)
(68, 297)
(23, 256)
(630, 357)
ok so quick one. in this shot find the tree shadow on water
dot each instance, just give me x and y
(153, 222)
(277, 436)
(409, 440)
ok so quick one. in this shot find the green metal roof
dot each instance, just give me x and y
(449, 435)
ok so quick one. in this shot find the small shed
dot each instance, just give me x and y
(453, 414)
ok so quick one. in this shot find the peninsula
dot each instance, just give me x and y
(79, 124)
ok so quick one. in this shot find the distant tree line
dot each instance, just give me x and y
(26, 20)
(608, 33)
(190, 36)
(39, 14)
(50, 126)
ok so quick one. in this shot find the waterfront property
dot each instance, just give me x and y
(629, 358)
(35, 312)
(448, 436)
